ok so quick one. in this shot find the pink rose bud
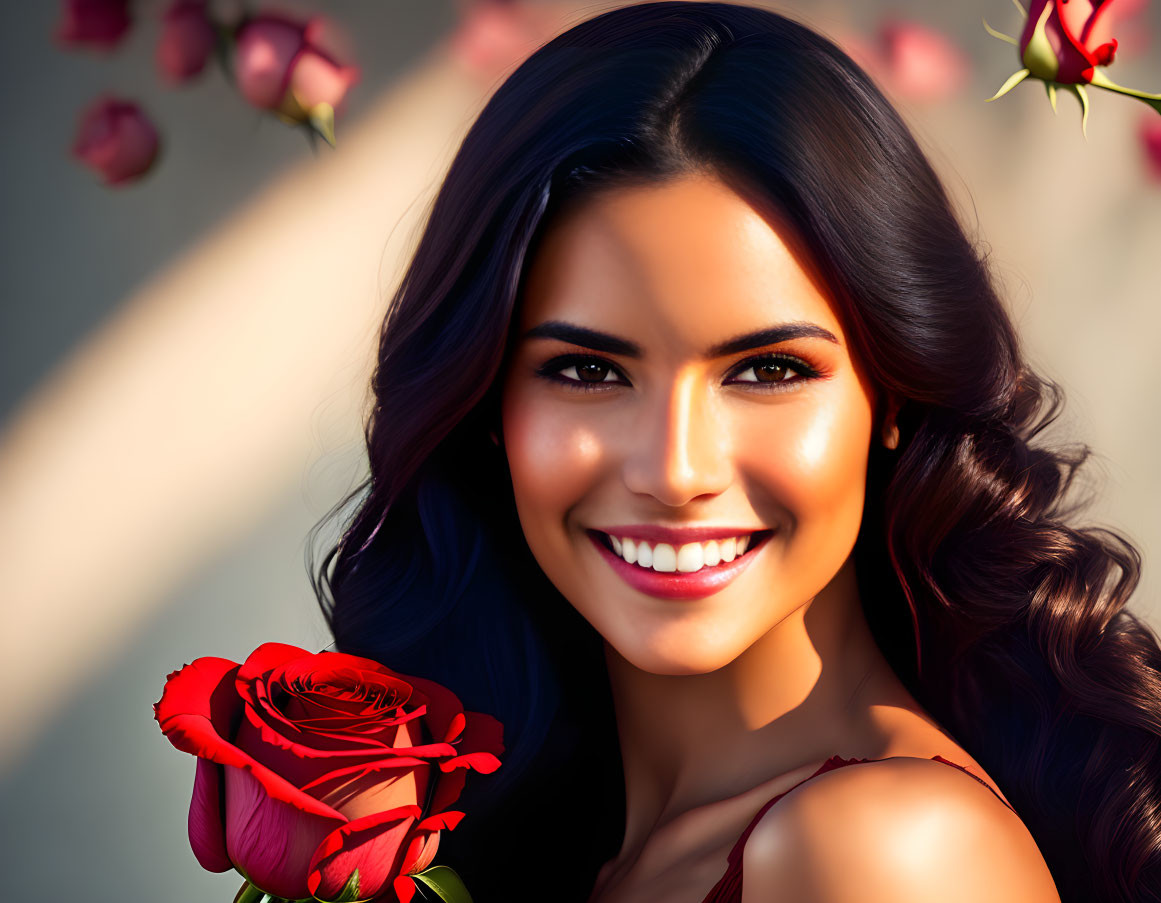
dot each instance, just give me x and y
(187, 40)
(116, 139)
(93, 23)
(1150, 132)
(280, 65)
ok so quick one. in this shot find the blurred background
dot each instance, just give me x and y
(185, 352)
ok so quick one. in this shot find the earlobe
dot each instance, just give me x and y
(890, 429)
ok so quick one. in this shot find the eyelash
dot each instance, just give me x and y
(551, 370)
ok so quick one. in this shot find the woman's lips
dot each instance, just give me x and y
(676, 584)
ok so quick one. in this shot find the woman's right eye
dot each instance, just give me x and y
(582, 373)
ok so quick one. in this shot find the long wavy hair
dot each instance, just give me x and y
(1004, 619)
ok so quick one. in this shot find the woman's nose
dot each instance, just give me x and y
(680, 448)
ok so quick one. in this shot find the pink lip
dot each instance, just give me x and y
(675, 584)
(676, 536)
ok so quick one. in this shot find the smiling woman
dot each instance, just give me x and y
(702, 457)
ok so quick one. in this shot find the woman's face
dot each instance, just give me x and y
(654, 396)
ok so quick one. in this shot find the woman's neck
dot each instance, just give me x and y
(790, 699)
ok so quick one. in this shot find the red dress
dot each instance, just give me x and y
(729, 886)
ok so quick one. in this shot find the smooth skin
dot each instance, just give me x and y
(725, 701)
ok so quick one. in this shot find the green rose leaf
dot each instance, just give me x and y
(445, 882)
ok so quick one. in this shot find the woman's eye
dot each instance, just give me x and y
(583, 373)
(773, 371)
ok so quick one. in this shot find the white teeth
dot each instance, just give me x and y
(664, 558)
(692, 556)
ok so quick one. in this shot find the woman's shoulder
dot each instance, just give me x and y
(902, 828)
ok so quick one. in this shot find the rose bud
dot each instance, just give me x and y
(186, 42)
(93, 23)
(116, 139)
(1065, 42)
(280, 66)
(312, 767)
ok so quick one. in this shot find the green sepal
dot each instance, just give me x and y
(349, 893)
(1014, 79)
(1038, 57)
(1082, 96)
(322, 121)
(445, 882)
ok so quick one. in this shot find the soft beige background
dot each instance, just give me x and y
(183, 368)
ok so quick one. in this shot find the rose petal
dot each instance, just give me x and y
(301, 764)
(374, 845)
(442, 704)
(314, 79)
(270, 840)
(404, 887)
(197, 711)
(264, 50)
(482, 734)
(95, 23)
(207, 826)
(186, 42)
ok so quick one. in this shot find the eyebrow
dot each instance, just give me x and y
(611, 344)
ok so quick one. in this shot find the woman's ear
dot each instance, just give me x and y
(889, 432)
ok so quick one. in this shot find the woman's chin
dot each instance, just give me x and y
(671, 656)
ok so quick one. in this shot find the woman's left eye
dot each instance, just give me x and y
(772, 370)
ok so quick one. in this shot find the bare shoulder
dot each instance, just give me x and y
(900, 830)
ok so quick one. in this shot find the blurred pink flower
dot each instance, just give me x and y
(116, 139)
(494, 36)
(186, 42)
(911, 61)
(922, 64)
(93, 23)
(280, 65)
(1150, 134)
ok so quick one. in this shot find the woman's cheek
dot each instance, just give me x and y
(813, 473)
(554, 456)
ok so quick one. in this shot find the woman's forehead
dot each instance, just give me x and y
(687, 256)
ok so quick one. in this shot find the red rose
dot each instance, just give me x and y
(116, 139)
(187, 40)
(1064, 41)
(313, 765)
(1070, 43)
(93, 23)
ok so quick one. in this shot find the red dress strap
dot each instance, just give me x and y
(729, 886)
